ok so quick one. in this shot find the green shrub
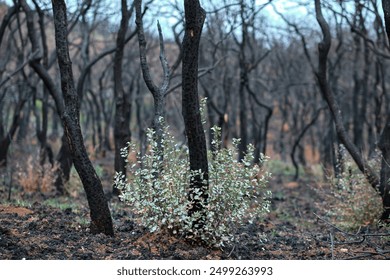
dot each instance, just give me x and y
(237, 190)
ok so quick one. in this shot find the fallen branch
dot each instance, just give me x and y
(370, 254)
(361, 236)
(335, 227)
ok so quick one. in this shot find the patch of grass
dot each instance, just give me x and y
(286, 216)
(83, 221)
(279, 167)
(16, 203)
(287, 169)
(61, 204)
(278, 195)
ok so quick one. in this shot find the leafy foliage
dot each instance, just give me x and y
(237, 190)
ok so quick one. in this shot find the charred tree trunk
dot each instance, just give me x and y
(23, 122)
(243, 113)
(264, 132)
(98, 118)
(243, 96)
(45, 149)
(384, 142)
(384, 189)
(41, 129)
(362, 60)
(358, 123)
(107, 113)
(194, 17)
(64, 159)
(122, 134)
(101, 221)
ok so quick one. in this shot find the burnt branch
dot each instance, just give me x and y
(153, 88)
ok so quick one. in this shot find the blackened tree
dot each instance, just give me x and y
(195, 16)
(122, 132)
(384, 142)
(101, 221)
(67, 105)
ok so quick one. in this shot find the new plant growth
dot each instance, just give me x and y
(238, 190)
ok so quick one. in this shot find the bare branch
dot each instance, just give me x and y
(142, 50)
(299, 33)
(164, 61)
(202, 72)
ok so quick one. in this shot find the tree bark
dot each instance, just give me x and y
(122, 133)
(384, 141)
(101, 221)
(243, 96)
(194, 17)
(358, 123)
(384, 189)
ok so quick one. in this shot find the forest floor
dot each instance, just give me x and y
(34, 226)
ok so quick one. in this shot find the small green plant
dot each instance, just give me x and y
(82, 221)
(20, 203)
(237, 190)
(60, 203)
(282, 168)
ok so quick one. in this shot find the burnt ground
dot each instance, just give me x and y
(33, 228)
